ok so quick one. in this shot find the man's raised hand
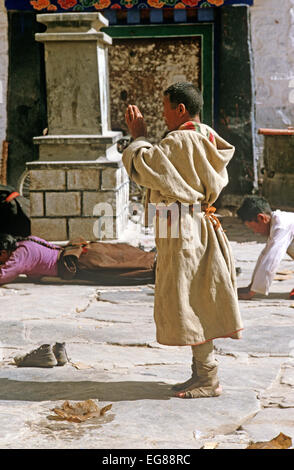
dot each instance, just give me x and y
(135, 122)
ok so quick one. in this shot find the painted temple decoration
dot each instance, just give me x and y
(94, 5)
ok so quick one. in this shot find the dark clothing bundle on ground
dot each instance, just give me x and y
(14, 210)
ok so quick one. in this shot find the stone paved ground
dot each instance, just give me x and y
(110, 338)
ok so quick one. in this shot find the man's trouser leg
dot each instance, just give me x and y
(183, 385)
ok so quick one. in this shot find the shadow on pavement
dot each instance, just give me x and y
(270, 296)
(104, 391)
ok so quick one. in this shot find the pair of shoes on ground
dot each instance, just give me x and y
(44, 356)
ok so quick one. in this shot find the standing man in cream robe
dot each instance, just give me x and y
(195, 291)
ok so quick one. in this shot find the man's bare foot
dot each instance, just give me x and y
(244, 293)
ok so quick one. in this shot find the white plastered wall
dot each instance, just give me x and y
(272, 30)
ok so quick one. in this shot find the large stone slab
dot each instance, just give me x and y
(83, 330)
(27, 300)
(269, 422)
(140, 295)
(142, 415)
(263, 339)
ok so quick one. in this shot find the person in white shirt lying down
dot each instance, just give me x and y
(278, 226)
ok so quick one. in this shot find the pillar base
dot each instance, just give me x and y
(78, 147)
(83, 198)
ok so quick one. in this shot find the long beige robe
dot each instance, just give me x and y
(195, 292)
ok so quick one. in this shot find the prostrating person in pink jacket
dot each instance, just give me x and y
(32, 256)
(102, 263)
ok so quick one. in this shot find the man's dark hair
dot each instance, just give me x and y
(251, 207)
(186, 93)
(7, 242)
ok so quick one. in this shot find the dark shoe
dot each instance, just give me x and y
(60, 353)
(181, 386)
(40, 357)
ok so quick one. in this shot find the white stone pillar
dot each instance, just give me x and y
(76, 60)
(76, 73)
(79, 167)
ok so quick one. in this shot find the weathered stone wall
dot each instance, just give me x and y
(278, 174)
(143, 68)
(3, 70)
(273, 50)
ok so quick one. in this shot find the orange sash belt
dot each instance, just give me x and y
(209, 212)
